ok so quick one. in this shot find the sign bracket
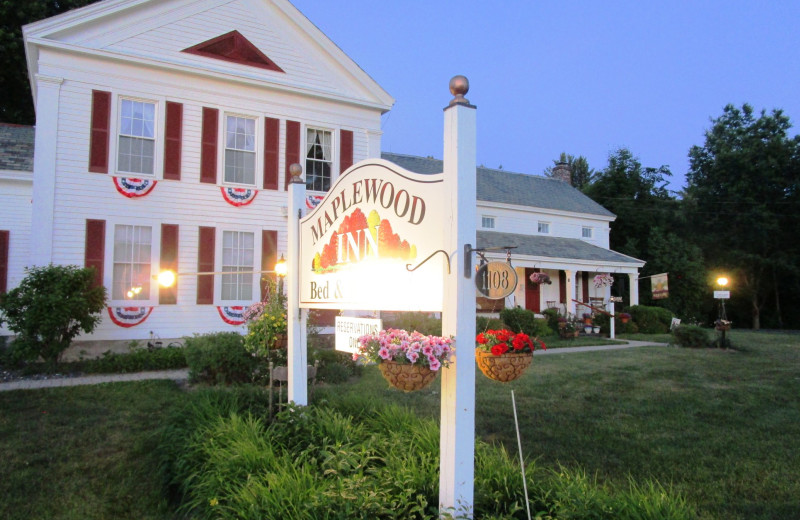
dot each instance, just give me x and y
(468, 250)
(447, 257)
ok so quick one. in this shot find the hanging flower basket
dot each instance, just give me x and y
(540, 279)
(625, 317)
(503, 355)
(603, 280)
(505, 367)
(405, 377)
(408, 361)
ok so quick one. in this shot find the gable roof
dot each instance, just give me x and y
(518, 189)
(16, 147)
(555, 247)
(154, 33)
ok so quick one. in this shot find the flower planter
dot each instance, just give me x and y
(406, 377)
(625, 320)
(504, 368)
(596, 330)
(587, 329)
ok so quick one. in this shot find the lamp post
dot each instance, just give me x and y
(722, 324)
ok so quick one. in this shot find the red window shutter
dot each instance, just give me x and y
(208, 146)
(99, 134)
(345, 150)
(205, 264)
(269, 255)
(169, 261)
(585, 285)
(5, 237)
(95, 248)
(292, 147)
(173, 138)
(271, 153)
(562, 287)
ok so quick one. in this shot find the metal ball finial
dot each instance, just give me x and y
(459, 86)
(295, 170)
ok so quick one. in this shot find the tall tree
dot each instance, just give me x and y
(742, 193)
(582, 174)
(16, 104)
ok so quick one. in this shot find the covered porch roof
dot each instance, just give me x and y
(559, 253)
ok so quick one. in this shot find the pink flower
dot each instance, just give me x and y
(384, 353)
(412, 356)
(434, 363)
(427, 350)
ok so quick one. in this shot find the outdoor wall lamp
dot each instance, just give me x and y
(281, 268)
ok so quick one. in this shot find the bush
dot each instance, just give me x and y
(551, 315)
(523, 320)
(420, 321)
(335, 367)
(219, 358)
(482, 324)
(690, 336)
(51, 306)
(651, 320)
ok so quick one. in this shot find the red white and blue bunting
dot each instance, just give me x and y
(232, 315)
(238, 196)
(132, 187)
(313, 200)
(129, 316)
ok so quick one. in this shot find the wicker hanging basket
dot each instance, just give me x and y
(504, 368)
(406, 377)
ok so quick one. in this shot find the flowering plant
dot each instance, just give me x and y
(540, 278)
(603, 280)
(401, 347)
(624, 316)
(266, 321)
(498, 342)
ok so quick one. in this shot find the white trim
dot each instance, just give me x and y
(218, 252)
(258, 166)
(155, 260)
(17, 175)
(159, 115)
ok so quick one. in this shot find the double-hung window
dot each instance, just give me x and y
(132, 245)
(137, 137)
(237, 256)
(487, 222)
(319, 159)
(240, 150)
(586, 232)
(543, 227)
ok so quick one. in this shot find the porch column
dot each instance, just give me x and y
(633, 280)
(44, 168)
(570, 277)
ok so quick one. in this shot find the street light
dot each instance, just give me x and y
(722, 324)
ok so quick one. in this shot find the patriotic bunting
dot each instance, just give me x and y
(132, 187)
(238, 196)
(313, 200)
(232, 315)
(129, 316)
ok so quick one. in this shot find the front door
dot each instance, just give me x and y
(533, 300)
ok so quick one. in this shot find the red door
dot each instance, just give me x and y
(533, 300)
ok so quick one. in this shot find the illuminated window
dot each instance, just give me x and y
(240, 150)
(237, 255)
(319, 158)
(137, 137)
(131, 263)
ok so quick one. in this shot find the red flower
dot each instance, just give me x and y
(521, 341)
(544, 347)
(499, 349)
(480, 338)
(503, 335)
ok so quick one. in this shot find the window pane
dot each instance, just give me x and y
(131, 270)
(238, 254)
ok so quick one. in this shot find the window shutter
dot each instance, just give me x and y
(562, 287)
(169, 261)
(272, 128)
(292, 147)
(269, 256)
(173, 137)
(208, 146)
(345, 150)
(5, 238)
(205, 264)
(585, 285)
(99, 135)
(95, 248)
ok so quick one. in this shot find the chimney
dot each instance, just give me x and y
(563, 172)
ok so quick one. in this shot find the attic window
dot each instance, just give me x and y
(235, 48)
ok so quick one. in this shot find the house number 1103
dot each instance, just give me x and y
(496, 280)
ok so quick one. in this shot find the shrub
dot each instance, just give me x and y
(219, 358)
(422, 322)
(482, 324)
(523, 320)
(651, 320)
(335, 367)
(690, 336)
(551, 315)
(51, 306)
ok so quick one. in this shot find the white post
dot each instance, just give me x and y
(634, 290)
(611, 319)
(44, 168)
(570, 294)
(457, 440)
(295, 317)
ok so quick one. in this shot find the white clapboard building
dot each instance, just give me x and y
(164, 134)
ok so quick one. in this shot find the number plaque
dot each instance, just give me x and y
(496, 280)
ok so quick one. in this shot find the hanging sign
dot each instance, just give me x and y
(362, 245)
(349, 329)
(496, 280)
(722, 295)
(660, 286)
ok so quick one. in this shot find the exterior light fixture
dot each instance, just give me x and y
(722, 281)
(281, 268)
(166, 278)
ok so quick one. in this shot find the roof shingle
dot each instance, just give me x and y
(16, 147)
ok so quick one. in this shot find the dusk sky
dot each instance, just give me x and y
(580, 77)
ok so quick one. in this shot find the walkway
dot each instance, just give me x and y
(183, 374)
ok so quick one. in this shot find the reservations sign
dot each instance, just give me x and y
(348, 330)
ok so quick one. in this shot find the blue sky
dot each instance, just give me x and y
(580, 77)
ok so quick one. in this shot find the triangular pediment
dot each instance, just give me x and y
(235, 48)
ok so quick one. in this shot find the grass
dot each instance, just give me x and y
(721, 427)
(83, 452)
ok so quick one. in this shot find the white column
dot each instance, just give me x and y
(44, 169)
(611, 320)
(570, 277)
(633, 278)
(457, 441)
(295, 317)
